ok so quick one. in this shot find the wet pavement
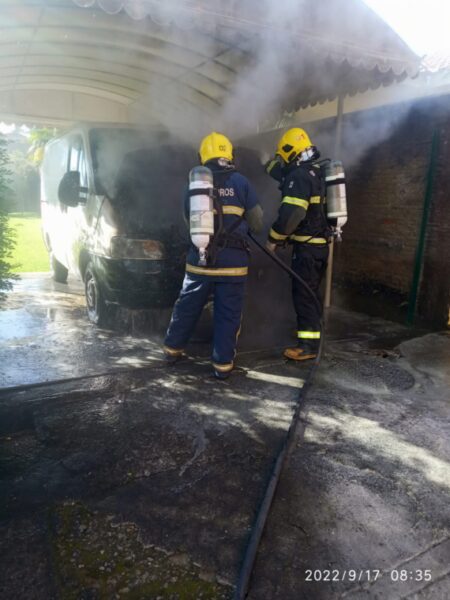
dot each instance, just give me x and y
(45, 336)
(138, 480)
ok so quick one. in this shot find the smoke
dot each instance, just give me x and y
(234, 67)
(197, 65)
(241, 74)
(257, 60)
(366, 130)
(264, 82)
(143, 172)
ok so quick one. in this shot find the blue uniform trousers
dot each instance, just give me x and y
(228, 302)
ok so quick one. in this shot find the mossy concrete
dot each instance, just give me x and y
(97, 556)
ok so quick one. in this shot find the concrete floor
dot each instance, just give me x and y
(45, 336)
(135, 480)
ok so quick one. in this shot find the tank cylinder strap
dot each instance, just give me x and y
(200, 192)
(335, 181)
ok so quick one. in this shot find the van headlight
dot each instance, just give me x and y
(132, 248)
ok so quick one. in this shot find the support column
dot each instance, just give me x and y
(337, 150)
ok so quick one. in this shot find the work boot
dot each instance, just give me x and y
(299, 354)
(171, 356)
(221, 375)
(222, 371)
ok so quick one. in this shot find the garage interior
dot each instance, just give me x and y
(123, 478)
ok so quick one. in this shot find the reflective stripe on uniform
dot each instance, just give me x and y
(315, 199)
(308, 239)
(227, 272)
(308, 335)
(277, 236)
(295, 201)
(172, 351)
(233, 210)
(223, 368)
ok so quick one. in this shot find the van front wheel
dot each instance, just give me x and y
(59, 271)
(97, 309)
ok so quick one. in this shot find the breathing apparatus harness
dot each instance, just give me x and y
(304, 160)
(323, 195)
(225, 238)
(210, 240)
(333, 199)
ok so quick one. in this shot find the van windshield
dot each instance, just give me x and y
(109, 146)
(150, 187)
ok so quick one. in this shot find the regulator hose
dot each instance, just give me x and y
(286, 447)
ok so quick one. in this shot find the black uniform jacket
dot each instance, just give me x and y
(301, 216)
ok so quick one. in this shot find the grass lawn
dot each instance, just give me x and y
(29, 255)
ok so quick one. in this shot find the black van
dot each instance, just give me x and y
(111, 200)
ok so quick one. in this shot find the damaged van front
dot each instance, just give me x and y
(111, 214)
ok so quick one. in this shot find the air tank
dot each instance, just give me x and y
(201, 213)
(336, 196)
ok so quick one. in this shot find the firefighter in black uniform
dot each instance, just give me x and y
(302, 222)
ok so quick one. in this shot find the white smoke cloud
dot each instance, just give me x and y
(273, 43)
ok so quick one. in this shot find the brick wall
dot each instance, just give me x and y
(386, 189)
(385, 197)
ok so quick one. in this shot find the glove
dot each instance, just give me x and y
(274, 168)
(271, 246)
(269, 163)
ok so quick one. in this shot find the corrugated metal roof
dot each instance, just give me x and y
(209, 57)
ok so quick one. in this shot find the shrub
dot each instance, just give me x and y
(6, 233)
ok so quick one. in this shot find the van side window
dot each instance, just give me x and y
(77, 159)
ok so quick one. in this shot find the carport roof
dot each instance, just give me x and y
(198, 60)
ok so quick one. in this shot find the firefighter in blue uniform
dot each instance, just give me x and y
(226, 272)
(301, 221)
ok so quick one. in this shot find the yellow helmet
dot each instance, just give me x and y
(292, 143)
(215, 145)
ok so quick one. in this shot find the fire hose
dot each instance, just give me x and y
(286, 447)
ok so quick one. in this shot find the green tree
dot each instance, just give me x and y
(38, 138)
(6, 233)
(20, 167)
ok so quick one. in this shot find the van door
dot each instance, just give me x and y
(53, 168)
(76, 221)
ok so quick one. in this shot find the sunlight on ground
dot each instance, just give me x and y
(382, 442)
(295, 382)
